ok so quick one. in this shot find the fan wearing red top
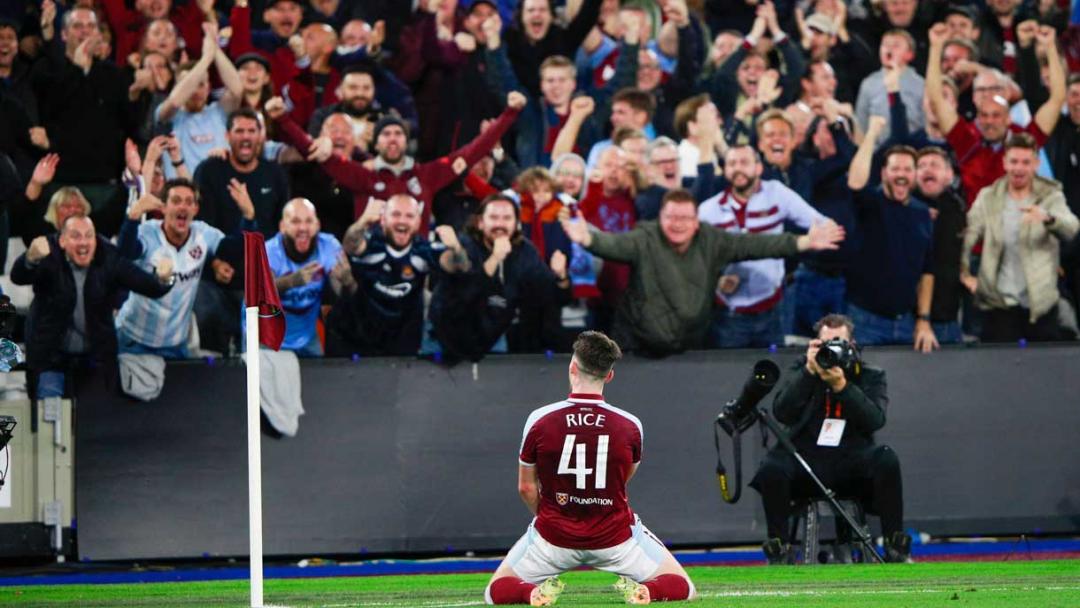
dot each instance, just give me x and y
(576, 458)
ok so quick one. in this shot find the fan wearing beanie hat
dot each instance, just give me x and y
(394, 171)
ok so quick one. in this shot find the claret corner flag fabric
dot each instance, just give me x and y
(259, 290)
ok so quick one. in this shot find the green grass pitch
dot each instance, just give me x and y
(1042, 584)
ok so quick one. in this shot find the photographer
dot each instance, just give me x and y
(832, 404)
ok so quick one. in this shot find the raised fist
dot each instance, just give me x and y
(448, 237)
(939, 33)
(582, 106)
(39, 249)
(275, 107)
(515, 100)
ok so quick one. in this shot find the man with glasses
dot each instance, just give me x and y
(676, 263)
(662, 170)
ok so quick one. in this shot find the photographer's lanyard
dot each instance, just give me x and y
(839, 413)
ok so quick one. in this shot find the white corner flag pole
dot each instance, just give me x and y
(254, 458)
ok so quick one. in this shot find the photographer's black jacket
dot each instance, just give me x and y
(801, 405)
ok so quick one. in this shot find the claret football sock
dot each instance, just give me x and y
(510, 590)
(668, 587)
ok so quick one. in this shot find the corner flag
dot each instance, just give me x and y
(259, 291)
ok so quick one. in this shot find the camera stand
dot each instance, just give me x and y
(860, 531)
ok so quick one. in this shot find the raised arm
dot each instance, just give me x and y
(480, 147)
(234, 88)
(859, 171)
(580, 109)
(500, 76)
(582, 23)
(187, 86)
(946, 114)
(240, 22)
(1050, 112)
(346, 172)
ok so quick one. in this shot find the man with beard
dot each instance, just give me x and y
(228, 186)
(475, 307)
(381, 306)
(676, 264)
(161, 327)
(394, 172)
(890, 281)
(242, 173)
(748, 295)
(978, 145)
(301, 257)
(76, 277)
(198, 123)
(357, 99)
(937, 186)
(1021, 219)
(284, 18)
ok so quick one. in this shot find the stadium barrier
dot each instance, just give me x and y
(400, 455)
(37, 497)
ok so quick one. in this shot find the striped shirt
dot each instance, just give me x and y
(165, 321)
(768, 208)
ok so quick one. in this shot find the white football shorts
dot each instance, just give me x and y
(534, 559)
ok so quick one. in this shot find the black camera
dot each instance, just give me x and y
(836, 352)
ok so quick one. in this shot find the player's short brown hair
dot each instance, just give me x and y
(596, 353)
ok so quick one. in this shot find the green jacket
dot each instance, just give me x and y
(1039, 244)
(669, 302)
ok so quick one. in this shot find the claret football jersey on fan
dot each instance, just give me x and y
(584, 450)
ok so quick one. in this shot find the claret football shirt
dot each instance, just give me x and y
(584, 450)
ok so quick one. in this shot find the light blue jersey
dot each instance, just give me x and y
(165, 321)
(302, 303)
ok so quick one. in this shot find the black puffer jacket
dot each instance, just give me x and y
(53, 308)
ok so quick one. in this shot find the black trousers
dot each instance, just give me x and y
(870, 475)
(1012, 324)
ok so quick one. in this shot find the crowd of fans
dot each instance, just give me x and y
(458, 177)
